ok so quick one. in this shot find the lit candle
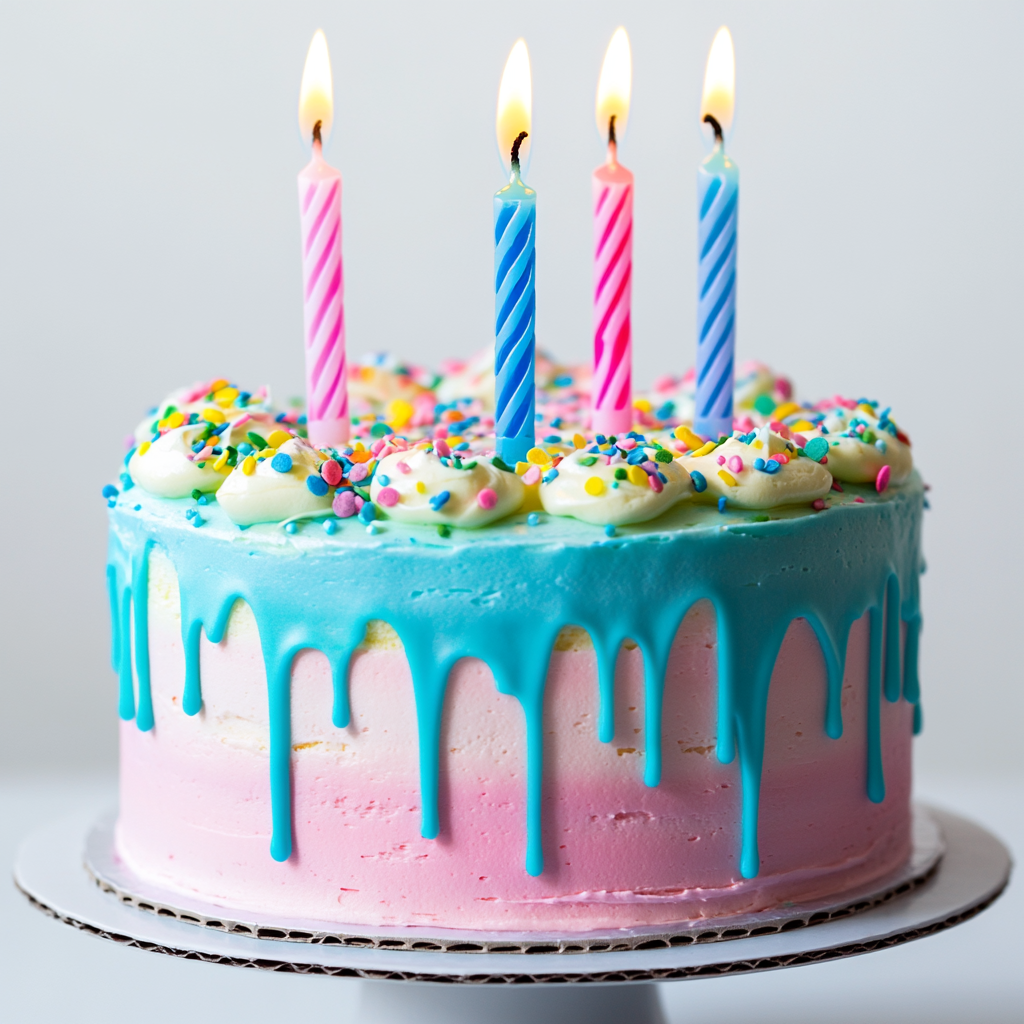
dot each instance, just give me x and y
(515, 216)
(611, 391)
(717, 201)
(322, 278)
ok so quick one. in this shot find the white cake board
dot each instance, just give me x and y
(514, 988)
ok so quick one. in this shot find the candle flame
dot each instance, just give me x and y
(515, 105)
(615, 84)
(720, 81)
(316, 94)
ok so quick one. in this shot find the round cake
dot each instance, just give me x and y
(637, 680)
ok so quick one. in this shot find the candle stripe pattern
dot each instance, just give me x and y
(515, 314)
(718, 196)
(613, 278)
(324, 308)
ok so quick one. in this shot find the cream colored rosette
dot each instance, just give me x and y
(861, 443)
(165, 467)
(416, 486)
(265, 489)
(729, 471)
(605, 489)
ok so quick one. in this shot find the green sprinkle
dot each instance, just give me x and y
(470, 465)
(620, 474)
(444, 530)
(764, 404)
(661, 455)
(380, 430)
(500, 463)
(588, 461)
(762, 518)
(255, 440)
(196, 494)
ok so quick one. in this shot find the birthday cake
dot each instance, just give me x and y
(632, 680)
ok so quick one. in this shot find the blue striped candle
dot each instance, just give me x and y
(515, 216)
(718, 189)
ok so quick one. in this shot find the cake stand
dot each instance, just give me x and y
(517, 987)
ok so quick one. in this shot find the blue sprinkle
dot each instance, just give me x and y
(128, 457)
(636, 456)
(372, 528)
(662, 477)
(198, 447)
(198, 520)
(759, 463)
(383, 480)
(111, 502)
(202, 500)
(601, 439)
(615, 485)
(771, 467)
(553, 439)
(609, 530)
(317, 484)
(368, 512)
(245, 448)
(279, 418)
(291, 527)
(190, 512)
(438, 501)
(127, 482)
(331, 527)
(462, 446)
(281, 462)
(138, 508)
(550, 475)
(594, 450)
(110, 491)
(721, 504)
(563, 382)
(881, 445)
(665, 411)
(556, 423)
(302, 419)
(532, 519)
(698, 481)
(816, 448)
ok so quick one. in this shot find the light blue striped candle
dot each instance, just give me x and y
(515, 218)
(718, 189)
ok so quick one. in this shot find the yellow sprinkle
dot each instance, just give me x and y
(802, 425)
(221, 462)
(453, 441)
(144, 447)
(864, 407)
(642, 405)
(225, 396)
(595, 485)
(359, 447)
(636, 476)
(688, 437)
(521, 468)
(267, 453)
(538, 457)
(784, 410)
(579, 441)
(219, 383)
(248, 465)
(398, 413)
(705, 449)
(421, 487)
(757, 444)
(278, 438)
(727, 477)
(174, 420)
(212, 415)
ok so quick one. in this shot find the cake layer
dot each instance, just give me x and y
(751, 747)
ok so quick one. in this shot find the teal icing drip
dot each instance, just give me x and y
(503, 594)
(140, 599)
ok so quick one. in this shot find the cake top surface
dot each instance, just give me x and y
(422, 460)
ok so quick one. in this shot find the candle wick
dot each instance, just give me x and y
(612, 141)
(316, 132)
(515, 150)
(716, 127)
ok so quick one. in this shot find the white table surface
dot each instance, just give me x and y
(50, 973)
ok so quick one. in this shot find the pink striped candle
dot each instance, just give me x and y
(611, 395)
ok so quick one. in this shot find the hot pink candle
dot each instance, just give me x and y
(323, 281)
(611, 391)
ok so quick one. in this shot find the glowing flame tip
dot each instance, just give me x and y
(316, 94)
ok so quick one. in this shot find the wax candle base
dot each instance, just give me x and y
(612, 421)
(712, 427)
(328, 433)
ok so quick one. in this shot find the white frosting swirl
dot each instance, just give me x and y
(611, 501)
(268, 496)
(166, 468)
(406, 470)
(856, 461)
(796, 481)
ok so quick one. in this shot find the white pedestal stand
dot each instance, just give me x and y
(516, 988)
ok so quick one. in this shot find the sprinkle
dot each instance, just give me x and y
(836, 486)
(816, 448)
(444, 530)
(620, 473)
(256, 440)
(595, 486)
(345, 504)
(726, 476)
(759, 463)
(368, 512)
(637, 476)
(764, 404)
(579, 441)
(879, 444)
(705, 449)
(249, 465)
(499, 463)
(551, 474)
(388, 496)
(487, 498)
(398, 413)
(771, 467)
(780, 457)
(818, 504)
(662, 455)
(882, 480)
(110, 491)
(380, 430)
(609, 530)
(372, 529)
(721, 504)
(291, 527)
(222, 461)
(697, 479)
(245, 449)
(202, 500)
(278, 438)
(421, 487)
(330, 527)
(198, 520)
(761, 517)
(736, 464)
(146, 445)
(316, 484)
(281, 462)
(441, 447)
(190, 512)
(438, 501)
(550, 439)
(655, 483)
(721, 460)
(859, 500)
(532, 519)
(196, 494)
(538, 457)
(357, 472)
(588, 460)
(331, 472)
(403, 467)
(532, 476)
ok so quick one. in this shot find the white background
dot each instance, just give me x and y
(149, 237)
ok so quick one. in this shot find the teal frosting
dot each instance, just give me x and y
(504, 593)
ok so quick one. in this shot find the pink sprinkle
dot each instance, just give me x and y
(385, 452)
(721, 460)
(403, 467)
(532, 476)
(387, 496)
(331, 472)
(780, 457)
(859, 500)
(799, 440)
(487, 498)
(204, 454)
(626, 443)
(244, 418)
(819, 504)
(681, 448)
(440, 431)
(735, 464)
(882, 480)
(655, 481)
(377, 445)
(441, 447)
(344, 504)
(357, 472)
